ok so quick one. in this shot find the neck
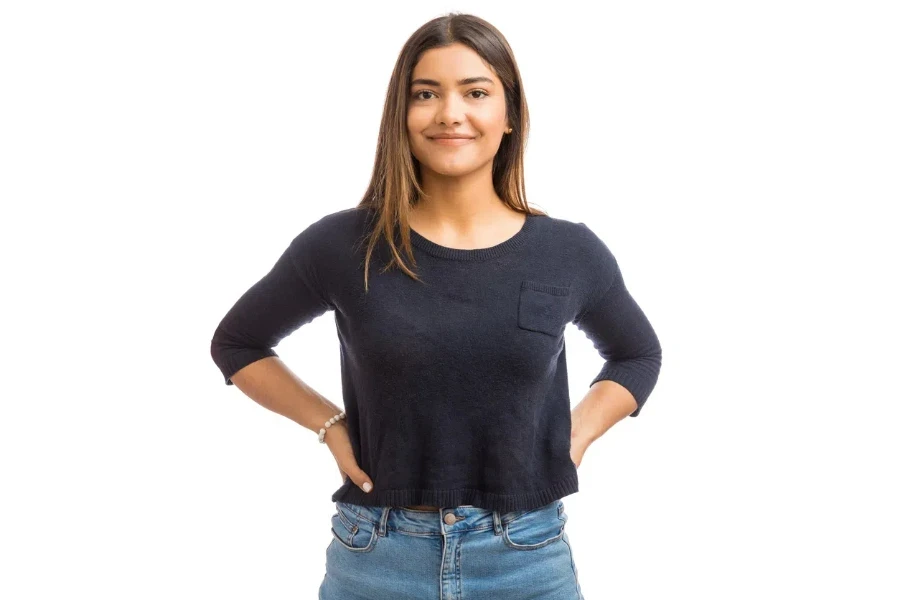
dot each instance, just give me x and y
(460, 199)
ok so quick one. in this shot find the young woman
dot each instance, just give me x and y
(450, 296)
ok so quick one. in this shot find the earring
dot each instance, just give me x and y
(509, 130)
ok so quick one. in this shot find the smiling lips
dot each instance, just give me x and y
(451, 141)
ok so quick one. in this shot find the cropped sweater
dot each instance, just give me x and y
(454, 387)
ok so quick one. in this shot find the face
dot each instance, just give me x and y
(454, 91)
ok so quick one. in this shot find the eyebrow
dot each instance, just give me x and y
(466, 81)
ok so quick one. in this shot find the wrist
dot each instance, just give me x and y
(331, 423)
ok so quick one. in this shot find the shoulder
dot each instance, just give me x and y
(334, 229)
(582, 252)
(347, 220)
(579, 240)
(331, 238)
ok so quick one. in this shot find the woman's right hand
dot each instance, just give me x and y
(337, 438)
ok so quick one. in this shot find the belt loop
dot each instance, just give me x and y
(382, 523)
(498, 525)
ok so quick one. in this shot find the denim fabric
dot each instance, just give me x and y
(394, 553)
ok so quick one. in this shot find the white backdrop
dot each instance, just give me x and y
(740, 159)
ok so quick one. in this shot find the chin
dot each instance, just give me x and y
(451, 170)
(451, 167)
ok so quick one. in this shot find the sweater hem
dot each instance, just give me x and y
(351, 493)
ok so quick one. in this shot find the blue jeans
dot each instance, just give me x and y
(461, 553)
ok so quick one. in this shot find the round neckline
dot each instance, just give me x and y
(516, 241)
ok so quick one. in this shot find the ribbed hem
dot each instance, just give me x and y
(514, 243)
(350, 492)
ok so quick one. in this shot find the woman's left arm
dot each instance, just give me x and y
(625, 339)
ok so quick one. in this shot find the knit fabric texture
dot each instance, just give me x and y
(455, 386)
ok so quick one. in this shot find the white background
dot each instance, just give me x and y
(740, 159)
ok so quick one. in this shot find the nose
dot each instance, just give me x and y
(450, 111)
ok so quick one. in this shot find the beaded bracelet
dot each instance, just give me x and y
(329, 423)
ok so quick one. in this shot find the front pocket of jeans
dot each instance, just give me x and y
(351, 531)
(536, 528)
(542, 307)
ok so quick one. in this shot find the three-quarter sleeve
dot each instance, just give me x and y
(619, 330)
(287, 297)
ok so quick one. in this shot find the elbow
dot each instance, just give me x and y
(230, 356)
(219, 347)
(650, 357)
(220, 353)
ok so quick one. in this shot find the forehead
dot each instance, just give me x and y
(451, 63)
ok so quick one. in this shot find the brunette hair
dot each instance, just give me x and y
(395, 185)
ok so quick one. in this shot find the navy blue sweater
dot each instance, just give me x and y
(455, 388)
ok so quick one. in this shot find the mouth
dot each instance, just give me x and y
(451, 141)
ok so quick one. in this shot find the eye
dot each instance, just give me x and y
(417, 95)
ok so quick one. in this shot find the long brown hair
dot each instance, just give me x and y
(395, 185)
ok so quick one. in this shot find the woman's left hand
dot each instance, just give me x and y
(579, 447)
(580, 436)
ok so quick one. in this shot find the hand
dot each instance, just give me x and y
(579, 447)
(580, 436)
(337, 438)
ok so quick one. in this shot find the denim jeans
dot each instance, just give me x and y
(461, 553)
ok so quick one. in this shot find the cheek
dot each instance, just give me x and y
(416, 119)
(415, 125)
(491, 124)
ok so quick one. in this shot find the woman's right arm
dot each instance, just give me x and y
(290, 295)
(284, 299)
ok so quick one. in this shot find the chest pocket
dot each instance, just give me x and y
(543, 307)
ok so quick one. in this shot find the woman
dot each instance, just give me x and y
(450, 296)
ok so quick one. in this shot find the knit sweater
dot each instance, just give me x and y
(454, 387)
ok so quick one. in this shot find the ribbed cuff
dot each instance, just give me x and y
(232, 361)
(640, 387)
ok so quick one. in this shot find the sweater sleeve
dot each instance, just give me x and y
(619, 330)
(287, 297)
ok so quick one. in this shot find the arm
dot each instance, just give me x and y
(623, 336)
(290, 295)
(286, 298)
(270, 383)
(242, 347)
(605, 404)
